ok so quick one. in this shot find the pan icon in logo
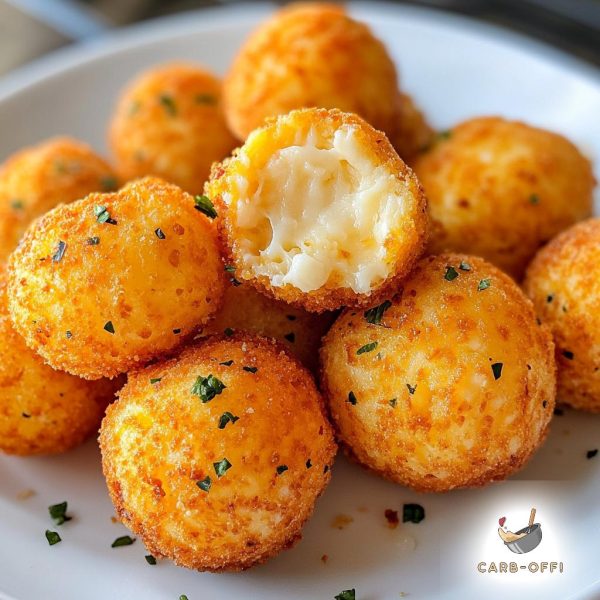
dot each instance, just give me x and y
(524, 540)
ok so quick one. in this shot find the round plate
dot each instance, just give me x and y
(456, 69)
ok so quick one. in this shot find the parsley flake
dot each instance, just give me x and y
(568, 354)
(230, 268)
(549, 298)
(308, 464)
(102, 215)
(411, 388)
(352, 398)
(93, 241)
(393, 402)
(222, 467)
(205, 484)
(52, 537)
(154, 380)
(60, 251)
(68, 334)
(534, 199)
(225, 418)
(591, 453)
(160, 234)
(464, 266)
(290, 337)
(226, 363)
(367, 348)
(412, 513)
(290, 317)
(206, 388)
(205, 99)
(124, 540)
(58, 512)
(108, 326)
(375, 314)
(204, 205)
(177, 331)
(484, 284)
(281, 469)
(168, 104)
(17, 204)
(228, 331)
(150, 559)
(450, 274)
(346, 595)
(109, 183)
(250, 369)
(497, 370)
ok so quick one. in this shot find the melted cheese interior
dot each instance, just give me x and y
(321, 214)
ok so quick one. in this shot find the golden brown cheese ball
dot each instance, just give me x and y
(564, 283)
(169, 122)
(412, 133)
(318, 210)
(36, 179)
(216, 458)
(310, 54)
(449, 383)
(43, 411)
(114, 280)
(501, 189)
(245, 309)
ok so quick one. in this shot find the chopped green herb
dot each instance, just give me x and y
(464, 266)
(206, 388)
(154, 380)
(281, 469)
(549, 298)
(352, 398)
(93, 241)
(160, 234)
(228, 331)
(484, 284)
(230, 268)
(226, 363)
(564, 308)
(591, 453)
(451, 274)
(568, 354)
(124, 540)
(68, 334)
(290, 317)
(375, 314)
(109, 183)
(411, 388)
(222, 467)
(102, 215)
(52, 537)
(445, 134)
(234, 281)
(325, 468)
(183, 597)
(60, 251)
(58, 512)
(17, 204)
(204, 205)
(135, 106)
(250, 369)
(497, 370)
(534, 199)
(177, 331)
(150, 559)
(225, 418)
(346, 595)
(205, 484)
(290, 337)
(412, 513)
(308, 464)
(108, 326)
(168, 104)
(393, 402)
(367, 348)
(26, 415)
(205, 99)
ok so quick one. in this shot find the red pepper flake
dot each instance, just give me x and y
(392, 518)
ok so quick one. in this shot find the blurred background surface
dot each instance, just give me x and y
(32, 28)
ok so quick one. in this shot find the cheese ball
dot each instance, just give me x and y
(449, 383)
(216, 458)
(169, 122)
(43, 411)
(317, 209)
(112, 281)
(501, 189)
(36, 179)
(412, 133)
(564, 283)
(310, 55)
(245, 309)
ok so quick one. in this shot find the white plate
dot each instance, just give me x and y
(456, 68)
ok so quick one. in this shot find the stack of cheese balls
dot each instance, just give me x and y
(312, 250)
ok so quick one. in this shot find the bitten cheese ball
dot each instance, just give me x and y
(310, 55)
(43, 411)
(36, 179)
(564, 283)
(169, 122)
(501, 189)
(216, 458)
(245, 309)
(112, 281)
(450, 383)
(317, 209)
